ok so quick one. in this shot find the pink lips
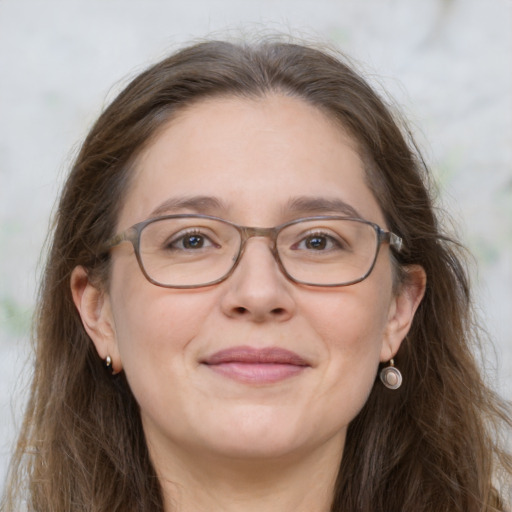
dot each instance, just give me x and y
(257, 366)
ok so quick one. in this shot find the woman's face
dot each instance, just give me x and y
(253, 159)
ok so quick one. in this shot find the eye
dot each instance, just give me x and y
(192, 240)
(318, 242)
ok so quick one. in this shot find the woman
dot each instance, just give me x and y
(249, 305)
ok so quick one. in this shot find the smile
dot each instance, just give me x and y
(256, 366)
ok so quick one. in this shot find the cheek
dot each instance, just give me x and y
(153, 325)
(352, 324)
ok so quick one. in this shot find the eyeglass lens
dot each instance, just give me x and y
(195, 251)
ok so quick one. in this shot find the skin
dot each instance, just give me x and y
(218, 443)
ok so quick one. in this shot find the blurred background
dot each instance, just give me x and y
(446, 64)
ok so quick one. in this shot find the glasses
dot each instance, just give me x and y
(190, 251)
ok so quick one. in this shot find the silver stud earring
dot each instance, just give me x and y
(391, 376)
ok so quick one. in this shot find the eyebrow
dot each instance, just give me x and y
(302, 205)
(197, 204)
(321, 205)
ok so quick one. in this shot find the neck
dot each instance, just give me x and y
(298, 483)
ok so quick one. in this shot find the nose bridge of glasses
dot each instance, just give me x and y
(254, 232)
(248, 232)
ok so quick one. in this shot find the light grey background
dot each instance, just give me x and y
(446, 62)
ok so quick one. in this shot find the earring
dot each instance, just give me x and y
(108, 364)
(391, 376)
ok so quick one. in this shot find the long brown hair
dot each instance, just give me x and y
(431, 446)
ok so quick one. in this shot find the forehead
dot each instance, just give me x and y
(254, 157)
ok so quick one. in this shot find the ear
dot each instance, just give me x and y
(93, 305)
(402, 309)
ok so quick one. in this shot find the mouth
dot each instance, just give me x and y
(256, 366)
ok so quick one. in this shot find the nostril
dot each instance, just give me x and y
(241, 310)
(278, 311)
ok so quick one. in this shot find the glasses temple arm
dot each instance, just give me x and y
(394, 240)
(125, 236)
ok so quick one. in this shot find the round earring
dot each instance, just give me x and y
(391, 376)
(108, 364)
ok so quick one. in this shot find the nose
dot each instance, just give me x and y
(257, 290)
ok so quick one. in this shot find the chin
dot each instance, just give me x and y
(251, 448)
(265, 436)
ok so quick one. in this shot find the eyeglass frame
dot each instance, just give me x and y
(133, 235)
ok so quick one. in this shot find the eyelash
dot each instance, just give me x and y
(189, 233)
(329, 238)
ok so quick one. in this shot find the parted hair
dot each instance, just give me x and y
(434, 445)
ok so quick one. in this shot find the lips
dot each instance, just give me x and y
(257, 366)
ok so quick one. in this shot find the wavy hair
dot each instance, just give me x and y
(432, 446)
